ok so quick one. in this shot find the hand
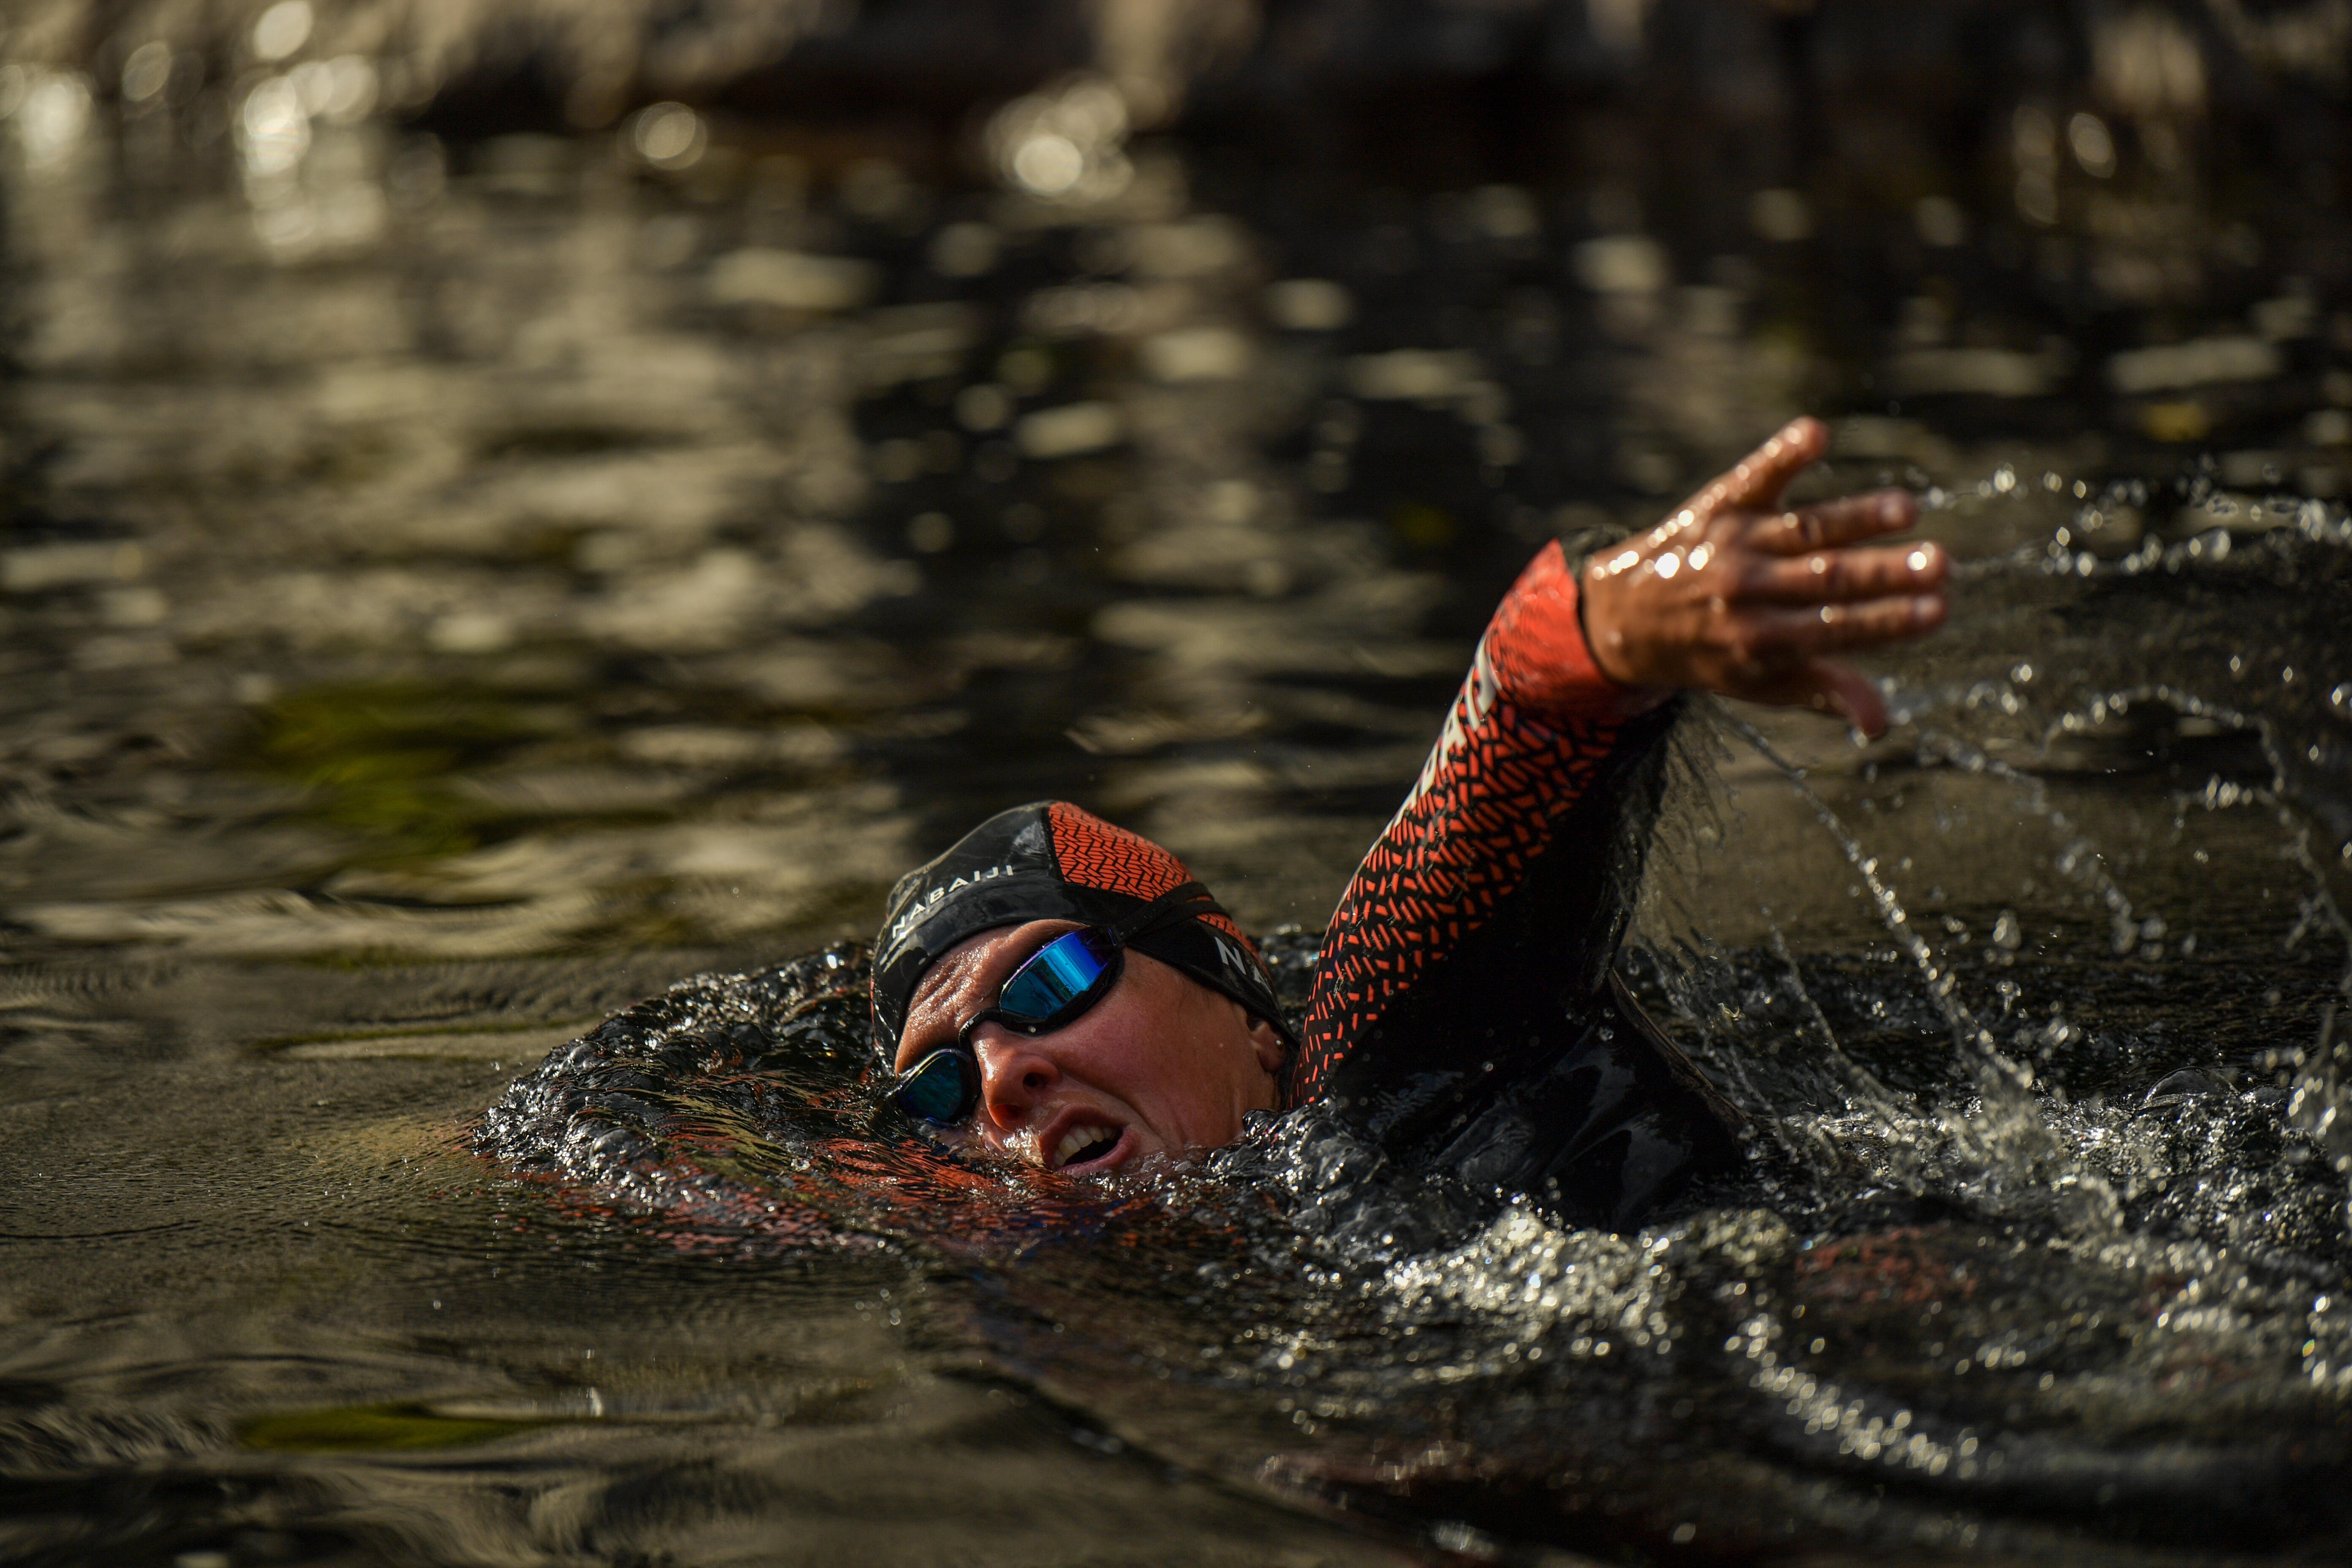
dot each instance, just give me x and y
(1735, 595)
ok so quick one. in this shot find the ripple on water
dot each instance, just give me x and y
(1889, 1319)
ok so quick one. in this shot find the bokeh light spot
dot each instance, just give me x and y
(146, 72)
(1049, 164)
(282, 29)
(273, 128)
(669, 136)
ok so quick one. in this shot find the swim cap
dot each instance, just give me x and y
(1048, 860)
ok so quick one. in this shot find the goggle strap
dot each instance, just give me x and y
(1188, 901)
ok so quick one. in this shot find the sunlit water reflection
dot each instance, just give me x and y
(456, 590)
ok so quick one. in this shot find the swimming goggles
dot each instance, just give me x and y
(1053, 988)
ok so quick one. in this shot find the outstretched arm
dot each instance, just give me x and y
(1520, 798)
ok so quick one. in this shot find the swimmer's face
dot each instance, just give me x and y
(1161, 1065)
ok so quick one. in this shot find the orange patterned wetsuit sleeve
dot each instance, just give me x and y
(1532, 727)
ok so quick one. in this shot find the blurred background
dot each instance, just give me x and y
(507, 503)
(652, 471)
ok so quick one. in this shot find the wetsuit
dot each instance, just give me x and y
(1465, 1016)
(1465, 1013)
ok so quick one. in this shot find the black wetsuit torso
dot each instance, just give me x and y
(1465, 1015)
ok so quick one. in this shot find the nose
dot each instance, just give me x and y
(1014, 1072)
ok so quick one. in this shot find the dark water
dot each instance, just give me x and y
(457, 586)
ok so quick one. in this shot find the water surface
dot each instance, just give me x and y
(456, 587)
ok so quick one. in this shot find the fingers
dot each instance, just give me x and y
(1738, 595)
(1844, 576)
(1764, 473)
(1775, 634)
(1832, 523)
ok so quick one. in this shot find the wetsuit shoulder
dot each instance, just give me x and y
(1531, 730)
(1468, 960)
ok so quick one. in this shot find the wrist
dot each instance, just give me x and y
(1540, 654)
(1604, 642)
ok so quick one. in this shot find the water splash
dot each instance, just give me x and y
(2021, 1166)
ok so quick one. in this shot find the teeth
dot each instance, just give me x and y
(1077, 1138)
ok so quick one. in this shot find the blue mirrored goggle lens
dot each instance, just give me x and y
(1059, 981)
(941, 1088)
(1058, 974)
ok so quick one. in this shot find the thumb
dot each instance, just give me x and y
(1826, 686)
(1846, 691)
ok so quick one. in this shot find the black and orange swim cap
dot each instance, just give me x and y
(1048, 860)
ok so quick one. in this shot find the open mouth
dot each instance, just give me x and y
(1083, 1147)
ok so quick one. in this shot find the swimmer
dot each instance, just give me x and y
(1064, 991)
